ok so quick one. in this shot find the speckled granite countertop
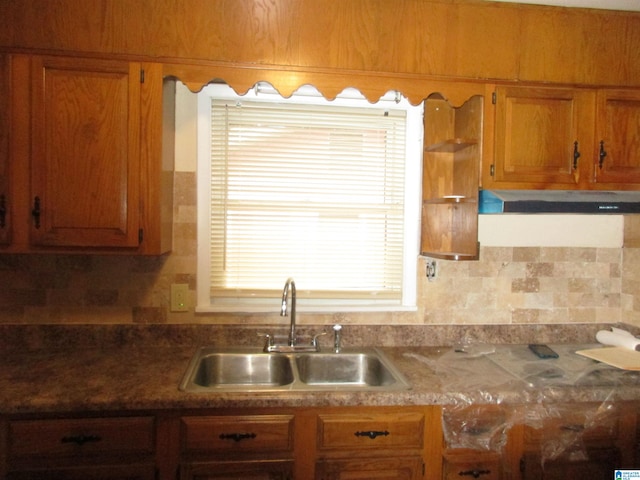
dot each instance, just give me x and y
(147, 378)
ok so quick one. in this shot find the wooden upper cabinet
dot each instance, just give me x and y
(85, 163)
(617, 137)
(565, 138)
(90, 146)
(536, 134)
(5, 224)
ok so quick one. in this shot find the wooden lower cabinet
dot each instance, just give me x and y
(243, 447)
(476, 442)
(325, 443)
(367, 445)
(595, 464)
(586, 440)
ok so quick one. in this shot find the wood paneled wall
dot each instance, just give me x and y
(470, 39)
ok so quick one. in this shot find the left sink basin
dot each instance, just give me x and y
(213, 369)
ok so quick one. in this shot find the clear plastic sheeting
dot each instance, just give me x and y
(493, 388)
(477, 427)
(563, 428)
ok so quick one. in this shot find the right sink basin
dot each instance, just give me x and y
(347, 369)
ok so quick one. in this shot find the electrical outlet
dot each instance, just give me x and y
(431, 270)
(179, 296)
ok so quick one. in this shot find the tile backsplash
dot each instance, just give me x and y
(508, 285)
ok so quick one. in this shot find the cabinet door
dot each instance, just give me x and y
(129, 472)
(240, 470)
(392, 468)
(536, 134)
(600, 465)
(617, 158)
(4, 150)
(85, 164)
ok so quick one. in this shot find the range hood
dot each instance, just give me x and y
(559, 201)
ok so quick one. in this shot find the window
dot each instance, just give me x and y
(324, 192)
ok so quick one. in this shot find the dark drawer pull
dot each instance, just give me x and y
(36, 212)
(237, 436)
(572, 428)
(474, 473)
(372, 434)
(3, 211)
(81, 439)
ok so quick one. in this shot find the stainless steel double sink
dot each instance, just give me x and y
(251, 370)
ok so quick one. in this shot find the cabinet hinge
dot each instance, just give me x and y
(423, 469)
(494, 98)
(492, 170)
(142, 75)
(140, 235)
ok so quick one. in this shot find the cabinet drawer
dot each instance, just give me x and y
(247, 433)
(472, 465)
(583, 422)
(337, 431)
(475, 427)
(73, 437)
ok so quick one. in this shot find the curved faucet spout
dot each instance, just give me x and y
(290, 285)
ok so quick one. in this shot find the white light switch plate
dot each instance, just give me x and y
(179, 297)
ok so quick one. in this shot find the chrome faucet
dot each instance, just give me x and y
(290, 285)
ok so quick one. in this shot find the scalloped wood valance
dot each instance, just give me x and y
(329, 83)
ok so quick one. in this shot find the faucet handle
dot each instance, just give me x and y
(268, 340)
(314, 340)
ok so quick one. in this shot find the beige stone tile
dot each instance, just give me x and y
(496, 254)
(555, 254)
(525, 315)
(539, 300)
(609, 255)
(554, 284)
(608, 315)
(525, 285)
(526, 254)
(539, 269)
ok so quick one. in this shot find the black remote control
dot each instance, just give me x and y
(542, 351)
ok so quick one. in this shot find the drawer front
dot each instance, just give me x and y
(337, 431)
(575, 422)
(472, 465)
(246, 433)
(367, 468)
(73, 437)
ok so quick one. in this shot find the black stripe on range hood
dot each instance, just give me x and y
(559, 201)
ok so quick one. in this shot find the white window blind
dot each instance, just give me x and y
(313, 192)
